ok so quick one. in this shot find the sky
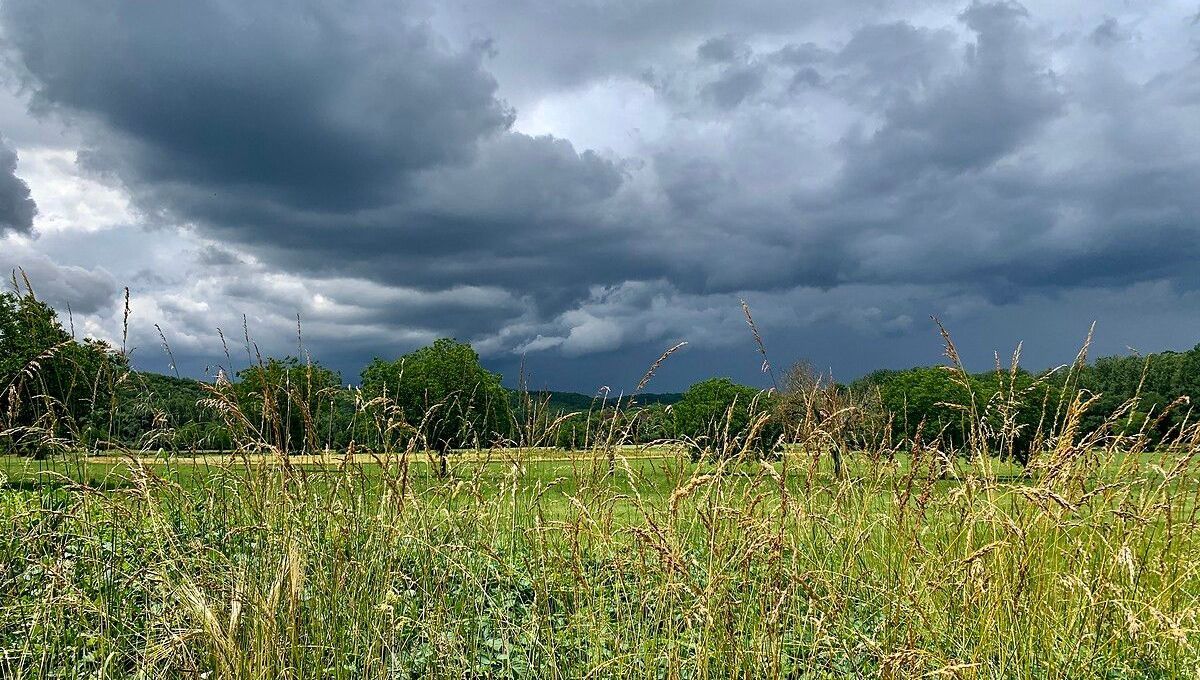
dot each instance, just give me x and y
(575, 185)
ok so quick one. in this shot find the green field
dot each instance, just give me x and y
(655, 567)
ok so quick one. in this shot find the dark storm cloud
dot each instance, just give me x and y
(1108, 31)
(966, 122)
(216, 256)
(734, 85)
(314, 106)
(952, 182)
(531, 214)
(307, 140)
(895, 57)
(561, 44)
(723, 49)
(691, 184)
(817, 156)
(332, 140)
(17, 208)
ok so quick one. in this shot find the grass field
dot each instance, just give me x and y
(539, 565)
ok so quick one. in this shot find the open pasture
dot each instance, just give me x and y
(653, 567)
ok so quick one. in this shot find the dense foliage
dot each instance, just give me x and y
(718, 416)
(61, 392)
(524, 567)
(54, 386)
(1126, 394)
(292, 403)
(443, 393)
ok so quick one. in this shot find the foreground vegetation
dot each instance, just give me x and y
(657, 568)
(1025, 528)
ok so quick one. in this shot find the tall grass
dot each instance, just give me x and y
(910, 561)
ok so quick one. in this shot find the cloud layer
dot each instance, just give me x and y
(16, 207)
(600, 179)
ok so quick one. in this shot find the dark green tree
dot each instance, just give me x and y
(296, 406)
(922, 401)
(50, 382)
(446, 396)
(718, 416)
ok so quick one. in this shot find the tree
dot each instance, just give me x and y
(49, 379)
(574, 431)
(996, 413)
(148, 406)
(296, 404)
(653, 422)
(1164, 385)
(811, 405)
(444, 393)
(922, 402)
(723, 418)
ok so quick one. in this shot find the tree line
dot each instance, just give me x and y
(62, 393)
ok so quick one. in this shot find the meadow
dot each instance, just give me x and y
(654, 567)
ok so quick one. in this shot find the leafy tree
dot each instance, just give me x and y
(588, 429)
(810, 406)
(718, 416)
(922, 402)
(1163, 384)
(49, 379)
(573, 431)
(654, 422)
(295, 404)
(160, 410)
(444, 393)
(995, 412)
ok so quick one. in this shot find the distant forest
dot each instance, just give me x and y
(60, 393)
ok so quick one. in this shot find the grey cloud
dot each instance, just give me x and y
(952, 184)
(216, 256)
(85, 290)
(734, 85)
(459, 311)
(329, 139)
(803, 54)
(723, 49)
(849, 176)
(692, 184)
(1109, 31)
(894, 58)
(24, 128)
(317, 107)
(1148, 316)
(17, 208)
(551, 45)
(968, 121)
(807, 77)
(529, 213)
(518, 175)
